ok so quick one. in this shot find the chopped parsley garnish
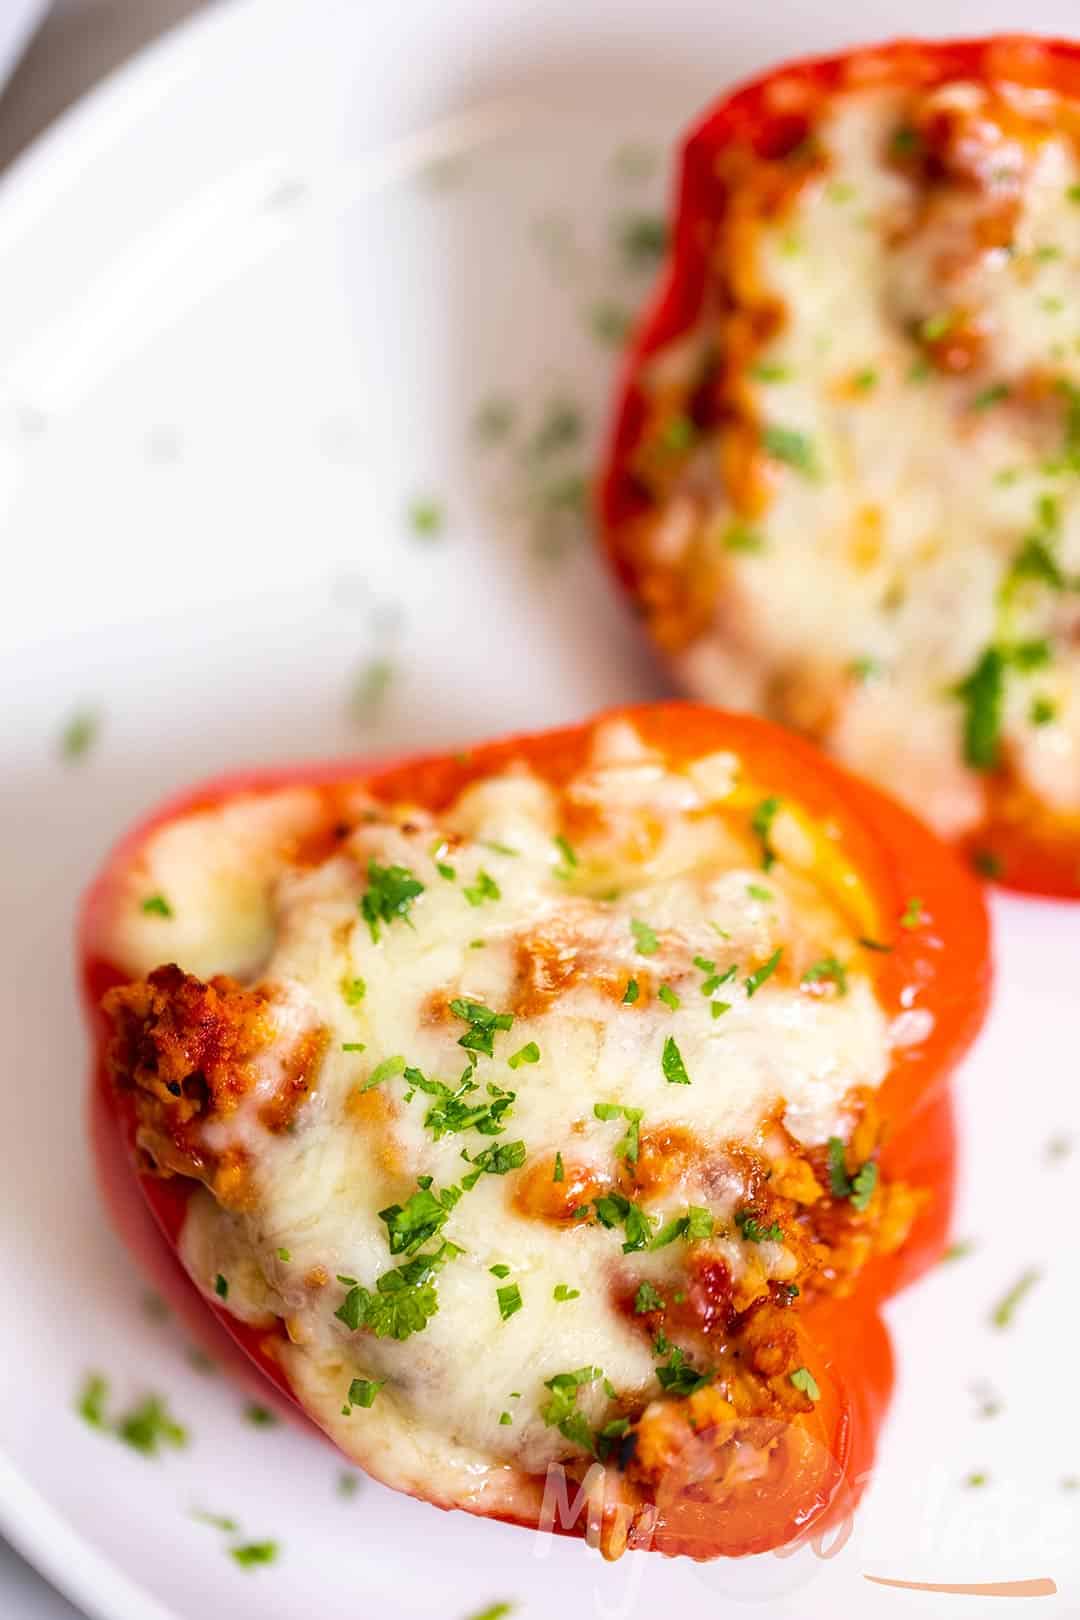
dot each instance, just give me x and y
(696, 1224)
(987, 863)
(497, 1160)
(988, 397)
(253, 1553)
(79, 734)
(905, 142)
(668, 997)
(560, 429)
(260, 1417)
(354, 991)
(221, 1286)
(438, 850)
(494, 420)
(558, 1174)
(560, 1412)
(770, 371)
(391, 892)
(529, 1053)
(857, 1188)
(756, 892)
(404, 1300)
(983, 695)
(563, 1292)
(494, 1611)
(741, 537)
(410, 1225)
(485, 888)
(483, 1025)
(752, 1231)
(761, 826)
(510, 1301)
(348, 1484)
(91, 1402)
(499, 1270)
(627, 1145)
(369, 689)
(804, 1380)
(873, 944)
(912, 916)
(672, 1064)
(146, 1428)
(958, 1251)
(645, 940)
(864, 669)
(754, 983)
(505, 1418)
(1004, 1311)
(612, 1210)
(568, 854)
(647, 1299)
(217, 1521)
(458, 1109)
(426, 518)
(791, 447)
(362, 1392)
(718, 1008)
(866, 380)
(284, 1255)
(828, 970)
(679, 1376)
(631, 993)
(608, 321)
(1043, 711)
(156, 905)
(149, 1426)
(353, 1046)
(642, 240)
(385, 1071)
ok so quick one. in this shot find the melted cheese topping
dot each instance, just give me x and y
(917, 411)
(663, 869)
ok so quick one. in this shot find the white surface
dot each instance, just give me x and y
(237, 337)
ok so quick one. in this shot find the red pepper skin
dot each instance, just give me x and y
(1024, 844)
(943, 966)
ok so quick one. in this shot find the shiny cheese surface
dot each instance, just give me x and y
(512, 917)
(916, 392)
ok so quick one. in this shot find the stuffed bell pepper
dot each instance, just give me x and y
(548, 1120)
(843, 483)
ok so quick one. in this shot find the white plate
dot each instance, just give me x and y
(255, 290)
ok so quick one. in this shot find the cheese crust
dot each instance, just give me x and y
(858, 504)
(524, 1129)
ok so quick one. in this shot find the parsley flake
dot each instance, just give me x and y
(391, 892)
(563, 1293)
(254, 1553)
(765, 971)
(752, 1231)
(354, 991)
(510, 1301)
(672, 1064)
(645, 940)
(559, 1174)
(362, 1392)
(485, 888)
(828, 970)
(529, 1053)
(791, 447)
(647, 1299)
(1004, 1311)
(804, 1380)
(483, 1025)
(912, 916)
(426, 518)
(761, 826)
(631, 993)
(668, 997)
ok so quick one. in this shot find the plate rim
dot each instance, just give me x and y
(87, 1577)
